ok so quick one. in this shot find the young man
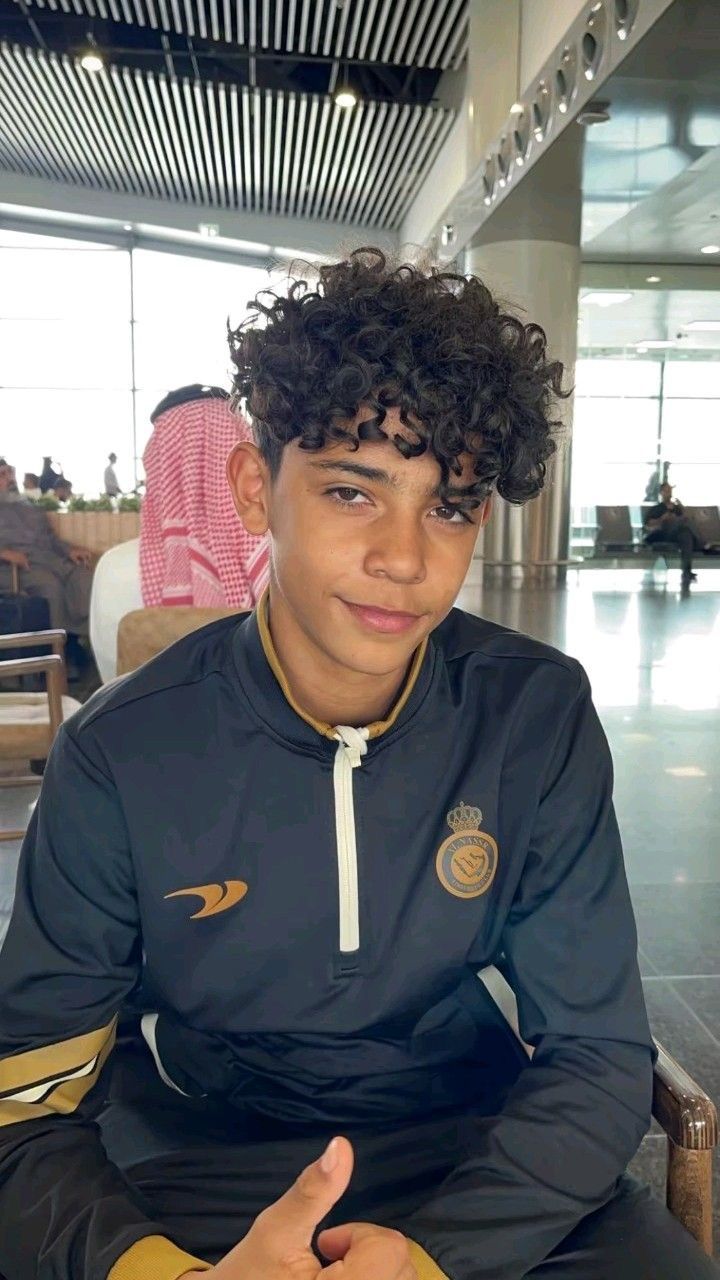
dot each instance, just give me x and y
(110, 481)
(667, 522)
(297, 837)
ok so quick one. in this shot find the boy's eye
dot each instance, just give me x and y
(345, 495)
(452, 515)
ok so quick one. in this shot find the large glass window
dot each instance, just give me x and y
(631, 417)
(182, 307)
(92, 337)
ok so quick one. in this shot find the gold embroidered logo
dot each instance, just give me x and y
(216, 897)
(467, 860)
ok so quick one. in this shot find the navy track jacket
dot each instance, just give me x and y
(310, 907)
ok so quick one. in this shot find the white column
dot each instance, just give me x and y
(529, 255)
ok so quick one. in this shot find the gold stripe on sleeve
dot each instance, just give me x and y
(54, 1079)
(425, 1266)
(155, 1258)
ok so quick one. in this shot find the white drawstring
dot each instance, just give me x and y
(351, 749)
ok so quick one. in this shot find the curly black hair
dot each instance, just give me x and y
(467, 376)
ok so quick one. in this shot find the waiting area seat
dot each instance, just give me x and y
(616, 538)
(30, 721)
(143, 633)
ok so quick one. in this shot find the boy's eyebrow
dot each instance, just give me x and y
(461, 497)
(368, 473)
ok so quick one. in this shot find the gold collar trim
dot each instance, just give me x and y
(375, 729)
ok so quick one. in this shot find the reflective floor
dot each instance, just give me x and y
(653, 657)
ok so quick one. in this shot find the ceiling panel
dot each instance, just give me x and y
(194, 106)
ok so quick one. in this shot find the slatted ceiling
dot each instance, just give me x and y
(151, 133)
(425, 33)
(251, 149)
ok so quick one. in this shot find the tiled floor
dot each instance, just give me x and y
(654, 661)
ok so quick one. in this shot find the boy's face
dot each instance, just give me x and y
(365, 555)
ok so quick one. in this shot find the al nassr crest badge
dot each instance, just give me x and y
(467, 860)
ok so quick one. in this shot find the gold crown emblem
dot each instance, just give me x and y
(465, 818)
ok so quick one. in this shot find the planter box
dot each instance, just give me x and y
(96, 530)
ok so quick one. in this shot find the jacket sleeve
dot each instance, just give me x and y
(578, 1111)
(72, 953)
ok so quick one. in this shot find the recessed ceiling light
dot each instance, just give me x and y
(641, 349)
(710, 248)
(345, 98)
(700, 326)
(210, 229)
(91, 60)
(517, 108)
(127, 226)
(653, 279)
(606, 297)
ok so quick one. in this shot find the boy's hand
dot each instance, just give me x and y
(277, 1246)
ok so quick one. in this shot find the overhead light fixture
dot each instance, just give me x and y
(345, 96)
(127, 226)
(641, 349)
(90, 57)
(210, 229)
(710, 248)
(703, 326)
(606, 298)
(92, 60)
(653, 279)
(655, 344)
(517, 109)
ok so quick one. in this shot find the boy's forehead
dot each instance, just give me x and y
(384, 453)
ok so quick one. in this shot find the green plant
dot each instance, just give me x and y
(101, 504)
(78, 503)
(47, 503)
(129, 502)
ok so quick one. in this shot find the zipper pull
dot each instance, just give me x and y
(354, 742)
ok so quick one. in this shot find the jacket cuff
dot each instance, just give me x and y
(426, 1267)
(155, 1258)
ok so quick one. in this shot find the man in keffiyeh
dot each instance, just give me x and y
(193, 548)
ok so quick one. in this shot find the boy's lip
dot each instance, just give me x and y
(383, 620)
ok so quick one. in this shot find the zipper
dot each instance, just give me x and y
(352, 746)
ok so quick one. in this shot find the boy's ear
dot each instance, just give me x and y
(249, 478)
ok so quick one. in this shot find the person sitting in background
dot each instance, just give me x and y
(31, 486)
(62, 491)
(193, 548)
(49, 476)
(110, 480)
(666, 522)
(47, 566)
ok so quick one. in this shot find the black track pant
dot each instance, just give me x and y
(207, 1191)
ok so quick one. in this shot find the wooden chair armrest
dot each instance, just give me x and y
(53, 664)
(681, 1107)
(30, 666)
(27, 639)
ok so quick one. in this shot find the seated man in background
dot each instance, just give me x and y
(48, 566)
(31, 486)
(666, 522)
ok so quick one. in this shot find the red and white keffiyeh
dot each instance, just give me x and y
(193, 547)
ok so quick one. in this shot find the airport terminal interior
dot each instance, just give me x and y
(160, 163)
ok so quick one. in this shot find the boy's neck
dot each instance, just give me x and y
(325, 691)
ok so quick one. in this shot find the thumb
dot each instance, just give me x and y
(294, 1217)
